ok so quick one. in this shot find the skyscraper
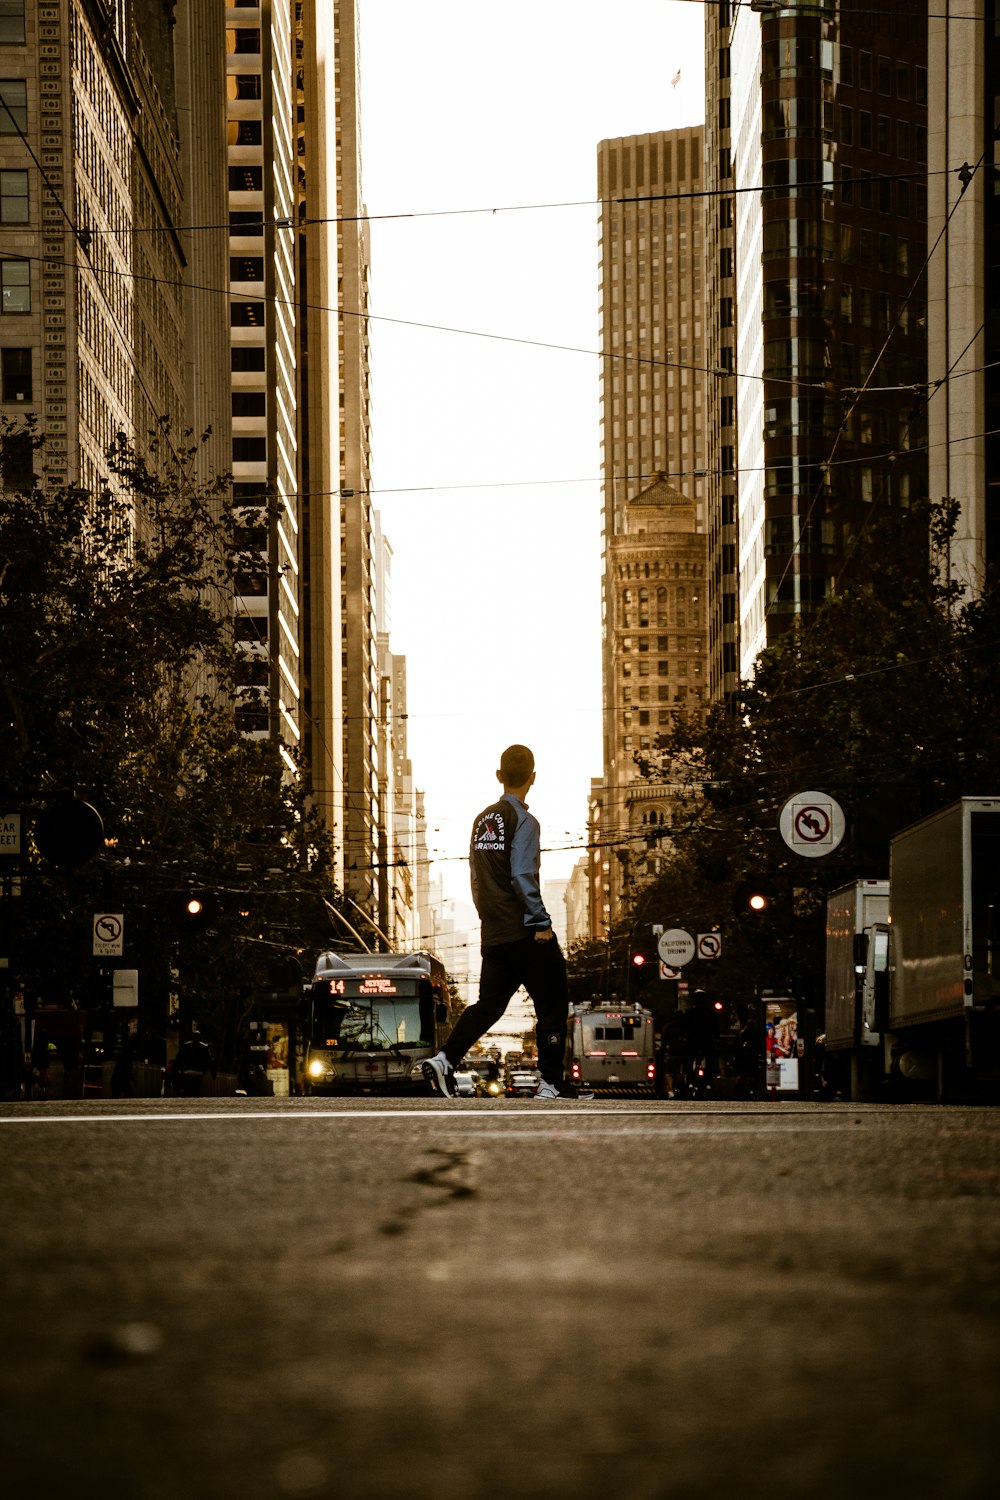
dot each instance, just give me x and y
(827, 111)
(963, 406)
(653, 385)
(111, 153)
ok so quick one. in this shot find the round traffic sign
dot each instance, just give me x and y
(676, 947)
(812, 824)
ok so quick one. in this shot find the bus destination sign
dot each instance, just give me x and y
(376, 984)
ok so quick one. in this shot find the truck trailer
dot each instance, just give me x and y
(934, 1027)
(857, 932)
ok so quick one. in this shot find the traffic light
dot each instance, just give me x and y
(754, 898)
(194, 909)
(641, 967)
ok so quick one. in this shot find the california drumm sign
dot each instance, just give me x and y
(812, 824)
(675, 947)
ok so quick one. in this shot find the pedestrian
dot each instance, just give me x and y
(193, 1061)
(519, 946)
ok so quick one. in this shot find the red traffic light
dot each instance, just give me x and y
(718, 1005)
(638, 959)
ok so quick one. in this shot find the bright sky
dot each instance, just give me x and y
(486, 456)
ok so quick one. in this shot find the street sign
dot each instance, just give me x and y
(676, 947)
(666, 972)
(10, 833)
(109, 934)
(125, 988)
(812, 824)
(709, 944)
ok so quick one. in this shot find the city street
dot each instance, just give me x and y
(250, 1298)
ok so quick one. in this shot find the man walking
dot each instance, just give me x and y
(518, 944)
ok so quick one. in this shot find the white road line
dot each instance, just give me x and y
(665, 1123)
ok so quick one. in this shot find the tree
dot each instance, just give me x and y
(888, 700)
(118, 673)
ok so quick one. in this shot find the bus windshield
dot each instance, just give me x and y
(375, 1025)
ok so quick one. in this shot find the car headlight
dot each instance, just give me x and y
(494, 1088)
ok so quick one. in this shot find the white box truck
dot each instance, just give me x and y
(913, 991)
(943, 1020)
(857, 917)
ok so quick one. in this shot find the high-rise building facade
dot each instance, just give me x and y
(653, 401)
(101, 132)
(264, 330)
(656, 588)
(358, 562)
(828, 150)
(183, 249)
(963, 406)
(720, 356)
(300, 401)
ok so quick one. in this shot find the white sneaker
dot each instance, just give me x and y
(567, 1092)
(440, 1075)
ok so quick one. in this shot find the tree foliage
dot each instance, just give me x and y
(888, 700)
(117, 686)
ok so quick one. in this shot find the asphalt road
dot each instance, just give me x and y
(297, 1298)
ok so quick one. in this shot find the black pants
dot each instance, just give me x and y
(541, 968)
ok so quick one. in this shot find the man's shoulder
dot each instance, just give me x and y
(493, 828)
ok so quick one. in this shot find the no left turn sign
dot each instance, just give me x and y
(709, 944)
(812, 824)
(109, 934)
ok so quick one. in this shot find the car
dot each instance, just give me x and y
(465, 1083)
(523, 1080)
(487, 1072)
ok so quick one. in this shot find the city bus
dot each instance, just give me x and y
(373, 1019)
(611, 1047)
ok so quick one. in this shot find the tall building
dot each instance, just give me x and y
(653, 405)
(827, 148)
(102, 131)
(720, 356)
(359, 631)
(656, 588)
(301, 434)
(262, 202)
(963, 408)
(182, 238)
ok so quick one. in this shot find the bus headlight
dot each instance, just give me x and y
(318, 1068)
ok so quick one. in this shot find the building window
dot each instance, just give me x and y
(246, 314)
(244, 39)
(245, 132)
(13, 197)
(17, 453)
(246, 225)
(15, 286)
(13, 106)
(246, 268)
(249, 403)
(249, 450)
(247, 357)
(11, 22)
(16, 374)
(243, 86)
(246, 179)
